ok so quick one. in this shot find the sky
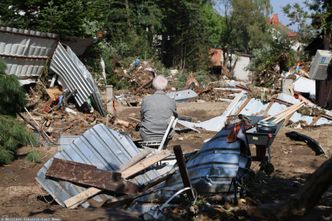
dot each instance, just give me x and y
(277, 8)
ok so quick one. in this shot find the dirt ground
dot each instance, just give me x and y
(293, 161)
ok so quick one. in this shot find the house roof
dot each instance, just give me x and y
(274, 21)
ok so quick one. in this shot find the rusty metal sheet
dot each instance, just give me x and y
(89, 175)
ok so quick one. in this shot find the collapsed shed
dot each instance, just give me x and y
(26, 54)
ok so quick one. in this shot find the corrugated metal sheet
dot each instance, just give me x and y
(213, 168)
(24, 67)
(25, 51)
(75, 76)
(100, 146)
(254, 108)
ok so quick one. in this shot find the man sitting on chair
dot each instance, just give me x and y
(156, 111)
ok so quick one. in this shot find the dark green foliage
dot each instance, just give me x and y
(185, 41)
(12, 97)
(299, 16)
(249, 27)
(214, 25)
(57, 16)
(133, 28)
(13, 135)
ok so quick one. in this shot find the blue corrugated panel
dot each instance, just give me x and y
(214, 167)
(100, 146)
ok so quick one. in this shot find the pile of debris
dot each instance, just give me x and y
(104, 167)
(98, 165)
(102, 160)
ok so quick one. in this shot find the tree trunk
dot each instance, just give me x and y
(128, 13)
(327, 39)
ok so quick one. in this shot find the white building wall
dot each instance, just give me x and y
(240, 71)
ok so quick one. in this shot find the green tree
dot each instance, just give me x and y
(13, 134)
(249, 25)
(320, 14)
(299, 16)
(264, 6)
(271, 59)
(12, 97)
(245, 23)
(184, 39)
(59, 16)
(214, 24)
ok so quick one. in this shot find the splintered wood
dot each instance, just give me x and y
(277, 118)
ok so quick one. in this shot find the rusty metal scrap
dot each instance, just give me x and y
(89, 175)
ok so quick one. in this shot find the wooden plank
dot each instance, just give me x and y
(136, 159)
(285, 112)
(83, 196)
(289, 112)
(80, 198)
(145, 163)
(268, 108)
(315, 119)
(243, 105)
(89, 175)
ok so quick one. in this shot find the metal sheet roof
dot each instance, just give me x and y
(75, 76)
(25, 51)
(255, 107)
(100, 146)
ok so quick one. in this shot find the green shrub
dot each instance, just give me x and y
(34, 156)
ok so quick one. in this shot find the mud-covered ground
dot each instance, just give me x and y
(293, 161)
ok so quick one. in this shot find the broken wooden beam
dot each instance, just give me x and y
(243, 105)
(80, 198)
(145, 163)
(122, 122)
(89, 175)
(134, 169)
(136, 159)
(183, 170)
